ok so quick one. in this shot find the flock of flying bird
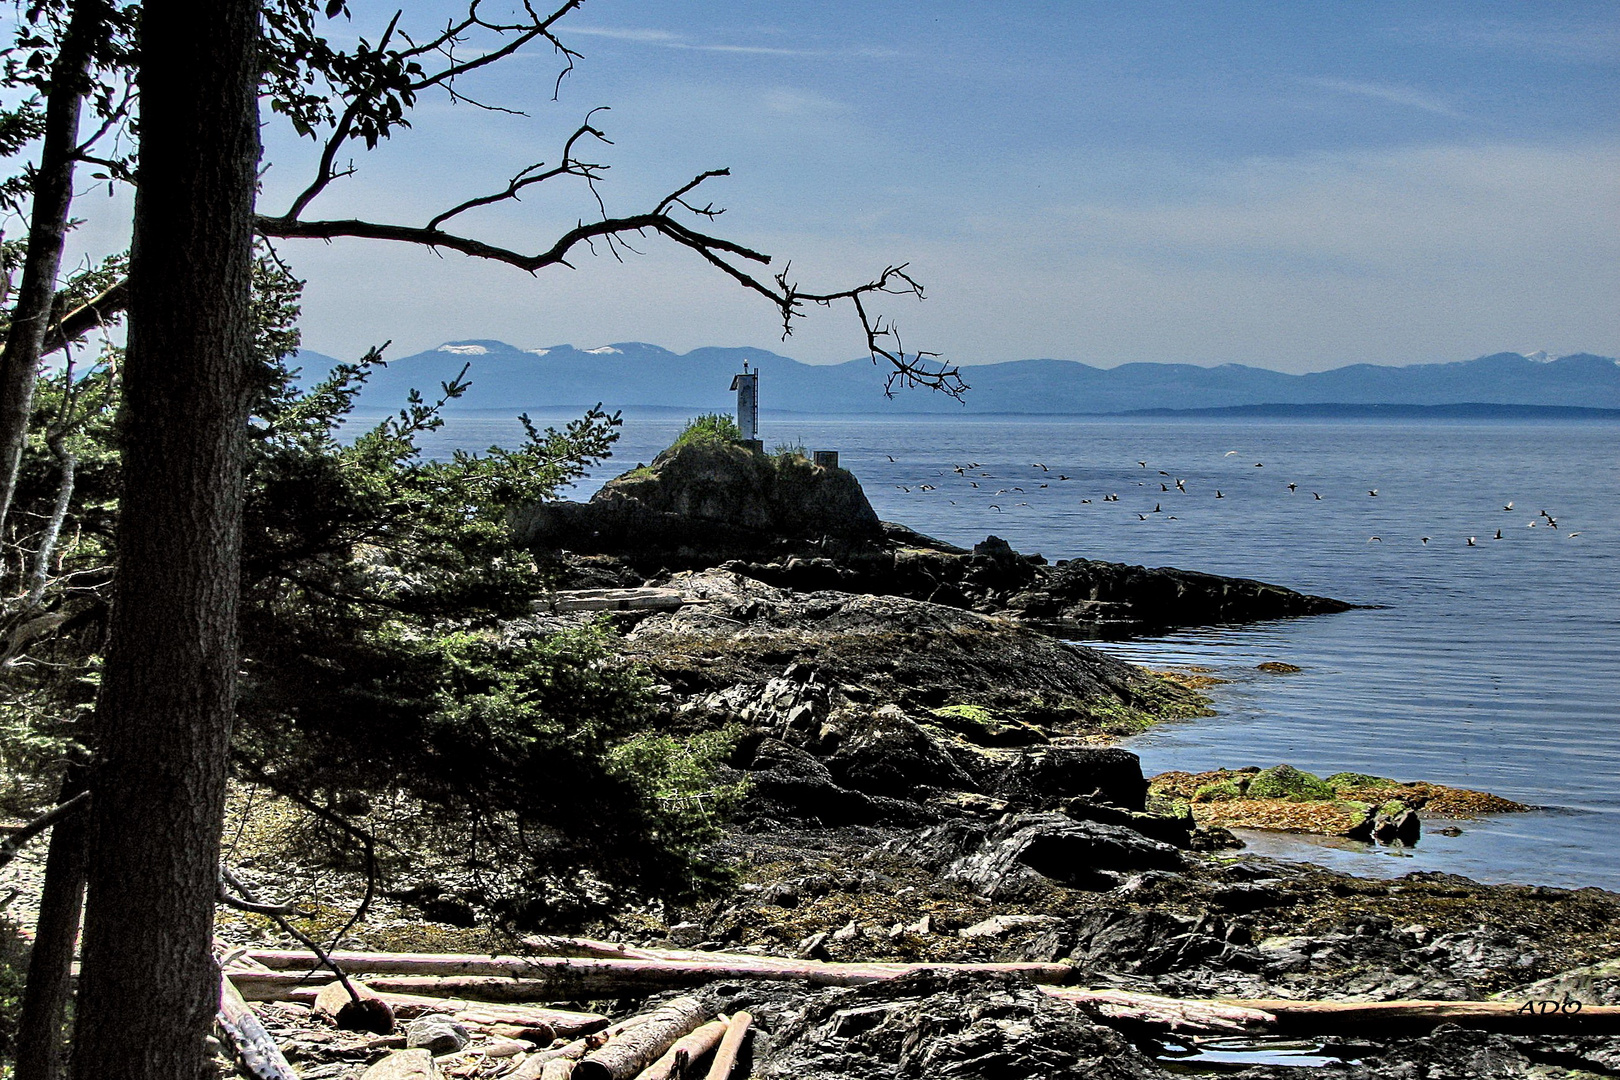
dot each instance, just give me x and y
(972, 472)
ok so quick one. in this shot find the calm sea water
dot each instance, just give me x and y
(1494, 666)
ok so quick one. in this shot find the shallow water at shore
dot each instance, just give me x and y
(1494, 666)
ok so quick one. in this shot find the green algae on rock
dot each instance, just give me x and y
(1287, 782)
(1356, 806)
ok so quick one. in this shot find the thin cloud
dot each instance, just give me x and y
(1569, 42)
(1395, 95)
(665, 39)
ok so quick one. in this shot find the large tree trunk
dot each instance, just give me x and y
(47, 231)
(148, 989)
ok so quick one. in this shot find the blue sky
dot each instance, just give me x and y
(1293, 185)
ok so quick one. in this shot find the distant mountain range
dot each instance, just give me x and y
(640, 377)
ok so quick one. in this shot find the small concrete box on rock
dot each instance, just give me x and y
(827, 459)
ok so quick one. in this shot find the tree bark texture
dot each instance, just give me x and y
(163, 716)
(626, 1055)
(47, 232)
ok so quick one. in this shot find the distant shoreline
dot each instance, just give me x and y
(1277, 411)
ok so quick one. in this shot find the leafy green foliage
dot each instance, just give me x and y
(791, 450)
(390, 646)
(13, 974)
(392, 650)
(710, 427)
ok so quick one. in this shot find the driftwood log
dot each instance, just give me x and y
(516, 979)
(725, 1058)
(536, 1065)
(1287, 1016)
(1174, 1014)
(677, 1060)
(354, 1006)
(256, 1052)
(539, 977)
(563, 1022)
(627, 1054)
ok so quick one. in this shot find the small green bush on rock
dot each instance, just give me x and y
(710, 427)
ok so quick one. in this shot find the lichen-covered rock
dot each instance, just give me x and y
(436, 1034)
(404, 1065)
(986, 727)
(889, 754)
(1021, 854)
(949, 1028)
(1045, 774)
(875, 650)
(786, 783)
(1593, 984)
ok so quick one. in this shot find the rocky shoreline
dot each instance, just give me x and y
(929, 778)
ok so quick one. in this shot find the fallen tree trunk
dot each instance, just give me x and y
(1174, 1014)
(1288, 1016)
(626, 1055)
(590, 976)
(1391, 1017)
(677, 1060)
(547, 1063)
(552, 978)
(725, 1058)
(256, 1052)
(563, 1022)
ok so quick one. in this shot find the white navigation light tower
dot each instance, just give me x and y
(747, 387)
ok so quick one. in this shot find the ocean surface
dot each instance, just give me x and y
(1493, 665)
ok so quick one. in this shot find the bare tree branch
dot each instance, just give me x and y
(14, 843)
(532, 175)
(98, 311)
(245, 901)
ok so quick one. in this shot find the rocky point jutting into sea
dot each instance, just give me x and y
(930, 780)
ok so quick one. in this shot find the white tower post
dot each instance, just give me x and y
(747, 387)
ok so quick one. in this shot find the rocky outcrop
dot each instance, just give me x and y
(703, 501)
(816, 668)
(782, 520)
(1018, 856)
(944, 1026)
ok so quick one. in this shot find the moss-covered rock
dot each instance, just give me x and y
(1347, 783)
(986, 727)
(1219, 791)
(1287, 782)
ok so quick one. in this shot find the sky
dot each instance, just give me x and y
(1294, 185)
